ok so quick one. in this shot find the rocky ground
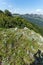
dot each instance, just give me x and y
(17, 46)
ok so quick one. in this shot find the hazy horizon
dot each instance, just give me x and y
(22, 6)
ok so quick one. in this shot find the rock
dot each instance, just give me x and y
(16, 28)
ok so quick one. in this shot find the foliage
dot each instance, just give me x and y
(7, 20)
(17, 46)
(8, 13)
(18, 41)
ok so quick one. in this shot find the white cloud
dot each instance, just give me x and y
(38, 10)
(23, 11)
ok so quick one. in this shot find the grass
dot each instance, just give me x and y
(18, 46)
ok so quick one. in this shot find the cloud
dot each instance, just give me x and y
(25, 11)
(37, 11)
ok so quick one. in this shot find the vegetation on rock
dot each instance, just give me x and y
(18, 40)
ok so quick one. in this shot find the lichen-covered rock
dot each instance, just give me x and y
(17, 46)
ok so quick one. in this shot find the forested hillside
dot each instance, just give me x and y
(8, 20)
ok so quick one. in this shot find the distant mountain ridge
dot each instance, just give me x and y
(34, 18)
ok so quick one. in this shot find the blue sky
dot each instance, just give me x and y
(22, 6)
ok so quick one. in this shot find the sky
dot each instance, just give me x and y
(22, 6)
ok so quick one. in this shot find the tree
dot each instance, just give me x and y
(8, 13)
(1, 11)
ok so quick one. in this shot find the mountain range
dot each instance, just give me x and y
(33, 18)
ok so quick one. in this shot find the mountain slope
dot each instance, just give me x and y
(17, 46)
(34, 18)
(9, 21)
(19, 40)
